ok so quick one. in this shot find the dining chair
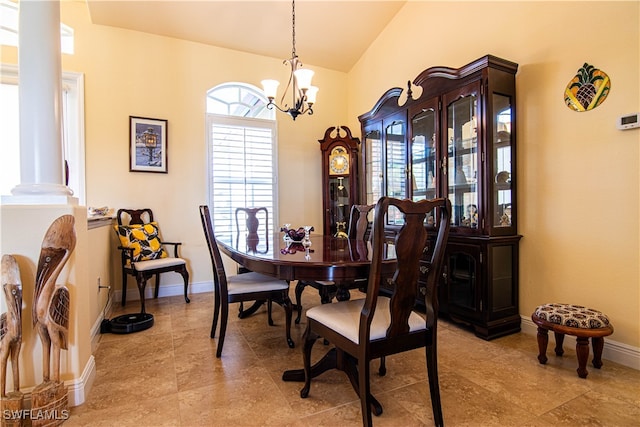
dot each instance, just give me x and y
(143, 253)
(249, 235)
(377, 326)
(359, 229)
(249, 286)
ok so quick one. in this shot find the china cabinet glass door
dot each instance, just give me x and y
(424, 153)
(502, 160)
(462, 160)
(373, 165)
(396, 166)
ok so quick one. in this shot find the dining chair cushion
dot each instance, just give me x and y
(153, 264)
(254, 282)
(143, 239)
(344, 318)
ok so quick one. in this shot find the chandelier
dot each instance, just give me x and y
(302, 93)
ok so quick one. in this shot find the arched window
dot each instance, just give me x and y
(241, 142)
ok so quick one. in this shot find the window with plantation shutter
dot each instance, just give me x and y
(242, 153)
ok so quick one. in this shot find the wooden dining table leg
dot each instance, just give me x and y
(328, 361)
(334, 359)
(243, 314)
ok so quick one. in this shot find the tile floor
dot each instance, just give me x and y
(169, 376)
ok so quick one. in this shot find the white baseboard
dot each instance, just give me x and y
(77, 388)
(615, 351)
(164, 291)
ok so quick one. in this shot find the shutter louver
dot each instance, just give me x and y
(242, 173)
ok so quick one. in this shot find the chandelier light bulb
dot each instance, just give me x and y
(303, 77)
(311, 95)
(270, 88)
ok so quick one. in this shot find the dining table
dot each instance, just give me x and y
(323, 257)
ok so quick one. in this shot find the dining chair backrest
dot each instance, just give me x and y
(359, 224)
(419, 260)
(252, 224)
(219, 277)
(253, 221)
(134, 216)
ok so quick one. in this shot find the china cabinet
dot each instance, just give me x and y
(456, 140)
(339, 179)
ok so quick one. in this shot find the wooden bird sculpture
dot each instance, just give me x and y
(10, 322)
(51, 302)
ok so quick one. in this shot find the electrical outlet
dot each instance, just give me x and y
(101, 286)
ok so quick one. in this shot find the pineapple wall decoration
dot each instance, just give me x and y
(588, 89)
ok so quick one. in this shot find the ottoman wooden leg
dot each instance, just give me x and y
(597, 343)
(559, 341)
(543, 340)
(582, 351)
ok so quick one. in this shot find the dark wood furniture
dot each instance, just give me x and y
(457, 139)
(578, 323)
(250, 286)
(144, 270)
(377, 326)
(252, 224)
(359, 227)
(339, 179)
(340, 260)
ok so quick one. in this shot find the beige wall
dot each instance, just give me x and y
(131, 73)
(578, 175)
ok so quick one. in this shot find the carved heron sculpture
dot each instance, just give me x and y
(10, 322)
(51, 302)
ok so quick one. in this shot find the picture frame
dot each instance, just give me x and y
(148, 145)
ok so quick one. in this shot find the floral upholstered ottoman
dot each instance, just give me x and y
(575, 320)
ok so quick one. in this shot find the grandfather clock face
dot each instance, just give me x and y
(339, 161)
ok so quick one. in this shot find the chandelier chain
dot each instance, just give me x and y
(293, 27)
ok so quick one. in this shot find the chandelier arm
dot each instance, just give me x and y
(293, 62)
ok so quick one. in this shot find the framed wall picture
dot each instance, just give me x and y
(147, 145)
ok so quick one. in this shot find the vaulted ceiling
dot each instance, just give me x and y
(329, 33)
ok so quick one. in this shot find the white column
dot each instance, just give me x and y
(40, 95)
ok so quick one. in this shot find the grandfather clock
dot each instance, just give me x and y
(339, 179)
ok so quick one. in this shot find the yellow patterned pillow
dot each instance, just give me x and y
(143, 239)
